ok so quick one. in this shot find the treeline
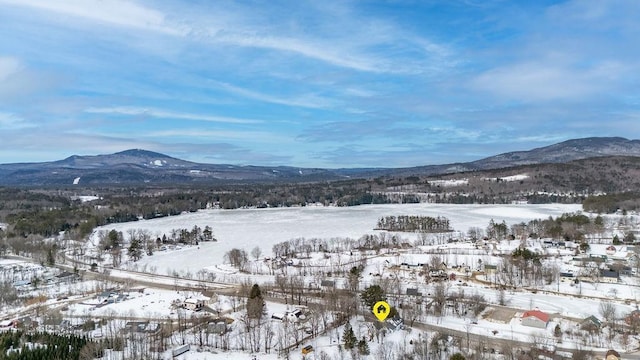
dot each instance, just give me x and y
(35, 212)
(405, 223)
(568, 226)
(77, 220)
(610, 203)
(142, 241)
(459, 197)
(19, 345)
(15, 199)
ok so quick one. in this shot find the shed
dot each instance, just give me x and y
(328, 283)
(413, 292)
(591, 322)
(490, 269)
(217, 327)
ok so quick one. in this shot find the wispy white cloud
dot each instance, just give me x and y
(359, 92)
(572, 51)
(8, 67)
(367, 76)
(163, 114)
(308, 48)
(535, 81)
(9, 121)
(114, 12)
(360, 46)
(257, 136)
(18, 81)
(309, 100)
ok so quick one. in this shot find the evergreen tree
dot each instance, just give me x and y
(372, 295)
(255, 303)
(115, 239)
(51, 257)
(207, 233)
(363, 347)
(457, 356)
(255, 292)
(350, 340)
(135, 250)
(557, 332)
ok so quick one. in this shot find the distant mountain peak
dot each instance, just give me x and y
(569, 150)
(595, 141)
(142, 153)
(139, 166)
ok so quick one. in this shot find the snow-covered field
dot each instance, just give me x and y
(566, 303)
(248, 228)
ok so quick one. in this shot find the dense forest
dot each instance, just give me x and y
(20, 345)
(610, 203)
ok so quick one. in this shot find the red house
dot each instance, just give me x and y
(535, 318)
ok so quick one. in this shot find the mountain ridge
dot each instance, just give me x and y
(139, 166)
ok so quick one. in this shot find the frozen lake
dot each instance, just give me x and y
(247, 228)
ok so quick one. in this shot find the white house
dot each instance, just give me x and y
(295, 315)
(193, 304)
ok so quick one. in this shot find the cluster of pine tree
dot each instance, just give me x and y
(610, 203)
(351, 342)
(19, 345)
(414, 224)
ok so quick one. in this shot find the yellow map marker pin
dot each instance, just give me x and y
(381, 310)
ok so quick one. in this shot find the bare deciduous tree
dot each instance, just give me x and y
(237, 258)
(256, 252)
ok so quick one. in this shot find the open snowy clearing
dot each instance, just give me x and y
(248, 228)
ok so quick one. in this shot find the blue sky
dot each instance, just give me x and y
(314, 84)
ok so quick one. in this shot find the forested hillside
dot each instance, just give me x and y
(605, 184)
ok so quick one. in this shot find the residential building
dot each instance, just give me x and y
(609, 276)
(535, 318)
(193, 304)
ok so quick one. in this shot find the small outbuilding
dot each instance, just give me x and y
(413, 292)
(591, 323)
(218, 326)
(328, 283)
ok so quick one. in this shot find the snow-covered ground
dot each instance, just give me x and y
(248, 228)
(449, 183)
(152, 304)
(86, 198)
(567, 303)
(510, 178)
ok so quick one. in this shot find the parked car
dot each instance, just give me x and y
(307, 349)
